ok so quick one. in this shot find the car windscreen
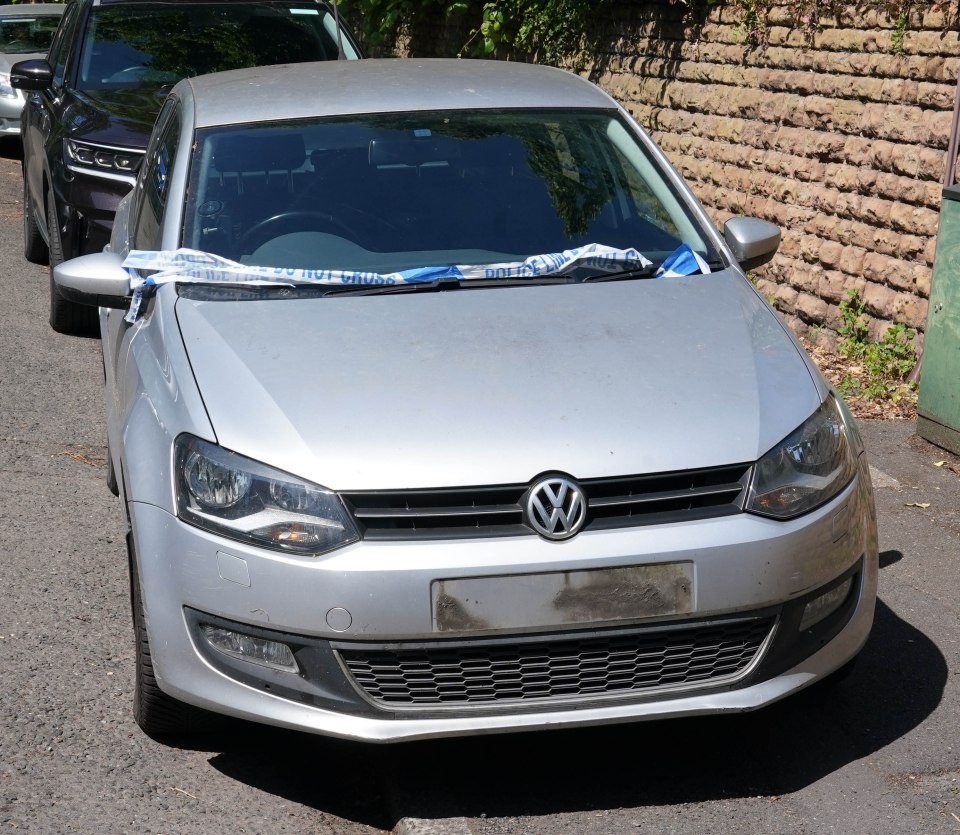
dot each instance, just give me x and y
(27, 34)
(389, 192)
(137, 45)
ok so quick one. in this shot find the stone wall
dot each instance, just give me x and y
(834, 135)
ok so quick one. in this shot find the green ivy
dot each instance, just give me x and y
(554, 31)
(900, 31)
(808, 14)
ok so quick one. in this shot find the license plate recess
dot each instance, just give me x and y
(525, 601)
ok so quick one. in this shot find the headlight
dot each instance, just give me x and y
(6, 91)
(806, 469)
(225, 493)
(102, 160)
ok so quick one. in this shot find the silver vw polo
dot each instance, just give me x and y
(438, 406)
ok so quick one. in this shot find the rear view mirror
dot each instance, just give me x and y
(98, 279)
(411, 153)
(753, 241)
(33, 75)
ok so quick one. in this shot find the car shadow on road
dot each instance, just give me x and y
(11, 148)
(897, 683)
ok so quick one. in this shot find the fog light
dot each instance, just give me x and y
(261, 651)
(824, 605)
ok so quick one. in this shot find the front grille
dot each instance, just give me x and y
(461, 512)
(487, 672)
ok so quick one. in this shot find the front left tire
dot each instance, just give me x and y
(34, 246)
(161, 717)
(65, 316)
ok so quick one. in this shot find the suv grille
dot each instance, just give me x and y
(461, 512)
(509, 670)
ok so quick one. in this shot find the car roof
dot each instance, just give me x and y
(32, 9)
(383, 85)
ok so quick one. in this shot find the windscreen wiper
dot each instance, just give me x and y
(637, 272)
(441, 285)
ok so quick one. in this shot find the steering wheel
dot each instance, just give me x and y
(139, 73)
(283, 223)
(126, 74)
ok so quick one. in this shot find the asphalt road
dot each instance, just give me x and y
(879, 754)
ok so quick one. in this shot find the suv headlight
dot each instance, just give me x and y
(806, 469)
(242, 499)
(102, 160)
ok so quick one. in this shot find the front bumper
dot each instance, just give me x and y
(87, 205)
(375, 598)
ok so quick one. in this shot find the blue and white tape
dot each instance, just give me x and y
(192, 266)
(684, 261)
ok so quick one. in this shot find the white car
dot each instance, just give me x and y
(437, 406)
(25, 32)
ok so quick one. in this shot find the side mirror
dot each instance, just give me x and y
(753, 242)
(33, 75)
(97, 279)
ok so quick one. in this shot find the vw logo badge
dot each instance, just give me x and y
(556, 509)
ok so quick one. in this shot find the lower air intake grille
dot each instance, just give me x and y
(509, 670)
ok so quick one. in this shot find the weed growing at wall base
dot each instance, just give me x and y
(881, 366)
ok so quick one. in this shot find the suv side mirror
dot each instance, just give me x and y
(753, 241)
(97, 279)
(33, 75)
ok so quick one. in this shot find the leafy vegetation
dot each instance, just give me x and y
(549, 31)
(809, 14)
(554, 31)
(882, 365)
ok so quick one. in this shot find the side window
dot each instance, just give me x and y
(62, 41)
(154, 181)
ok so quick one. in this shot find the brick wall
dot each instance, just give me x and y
(836, 137)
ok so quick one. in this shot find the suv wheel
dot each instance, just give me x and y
(34, 246)
(65, 316)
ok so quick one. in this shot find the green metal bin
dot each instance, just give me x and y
(938, 409)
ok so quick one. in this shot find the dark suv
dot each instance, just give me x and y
(92, 102)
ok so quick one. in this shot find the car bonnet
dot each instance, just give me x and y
(496, 386)
(116, 117)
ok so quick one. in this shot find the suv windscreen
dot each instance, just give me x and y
(133, 45)
(392, 192)
(23, 35)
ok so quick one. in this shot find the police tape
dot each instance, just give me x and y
(193, 266)
(684, 261)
